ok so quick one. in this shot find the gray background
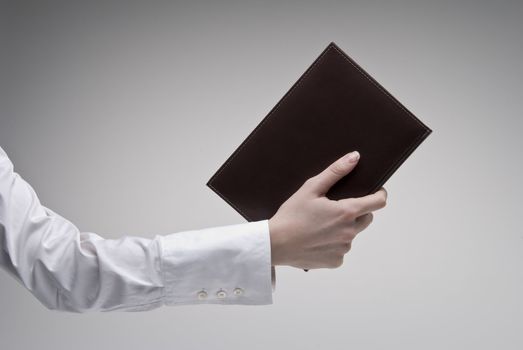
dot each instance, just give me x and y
(117, 113)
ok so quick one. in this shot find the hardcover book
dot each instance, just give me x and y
(334, 107)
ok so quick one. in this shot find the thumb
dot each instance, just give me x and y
(327, 178)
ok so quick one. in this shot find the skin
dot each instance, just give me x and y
(310, 231)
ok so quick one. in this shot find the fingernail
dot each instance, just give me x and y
(352, 157)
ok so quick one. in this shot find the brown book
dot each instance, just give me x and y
(335, 107)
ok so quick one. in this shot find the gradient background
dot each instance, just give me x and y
(117, 113)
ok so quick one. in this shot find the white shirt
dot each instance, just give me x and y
(69, 270)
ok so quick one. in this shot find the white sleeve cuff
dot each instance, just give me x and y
(218, 265)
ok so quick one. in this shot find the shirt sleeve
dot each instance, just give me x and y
(69, 270)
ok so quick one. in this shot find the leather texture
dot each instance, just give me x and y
(335, 107)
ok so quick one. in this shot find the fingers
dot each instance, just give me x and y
(321, 183)
(362, 222)
(366, 204)
(358, 225)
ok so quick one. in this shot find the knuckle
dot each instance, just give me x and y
(382, 200)
(346, 246)
(349, 211)
(379, 203)
(349, 234)
(337, 262)
(338, 169)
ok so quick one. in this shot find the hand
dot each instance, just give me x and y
(311, 231)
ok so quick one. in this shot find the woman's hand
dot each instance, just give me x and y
(311, 231)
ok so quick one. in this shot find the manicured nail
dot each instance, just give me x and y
(353, 157)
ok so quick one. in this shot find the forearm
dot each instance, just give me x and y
(70, 270)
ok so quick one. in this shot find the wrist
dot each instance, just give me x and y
(275, 235)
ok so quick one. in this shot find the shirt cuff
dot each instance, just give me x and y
(218, 265)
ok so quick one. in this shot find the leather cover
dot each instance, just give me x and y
(335, 107)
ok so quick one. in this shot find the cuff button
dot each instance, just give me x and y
(221, 294)
(238, 291)
(202, 295)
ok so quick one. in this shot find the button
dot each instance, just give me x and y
(221, 294)
(202, 294)
(238, 291)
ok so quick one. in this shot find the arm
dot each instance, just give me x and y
(69, 270)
